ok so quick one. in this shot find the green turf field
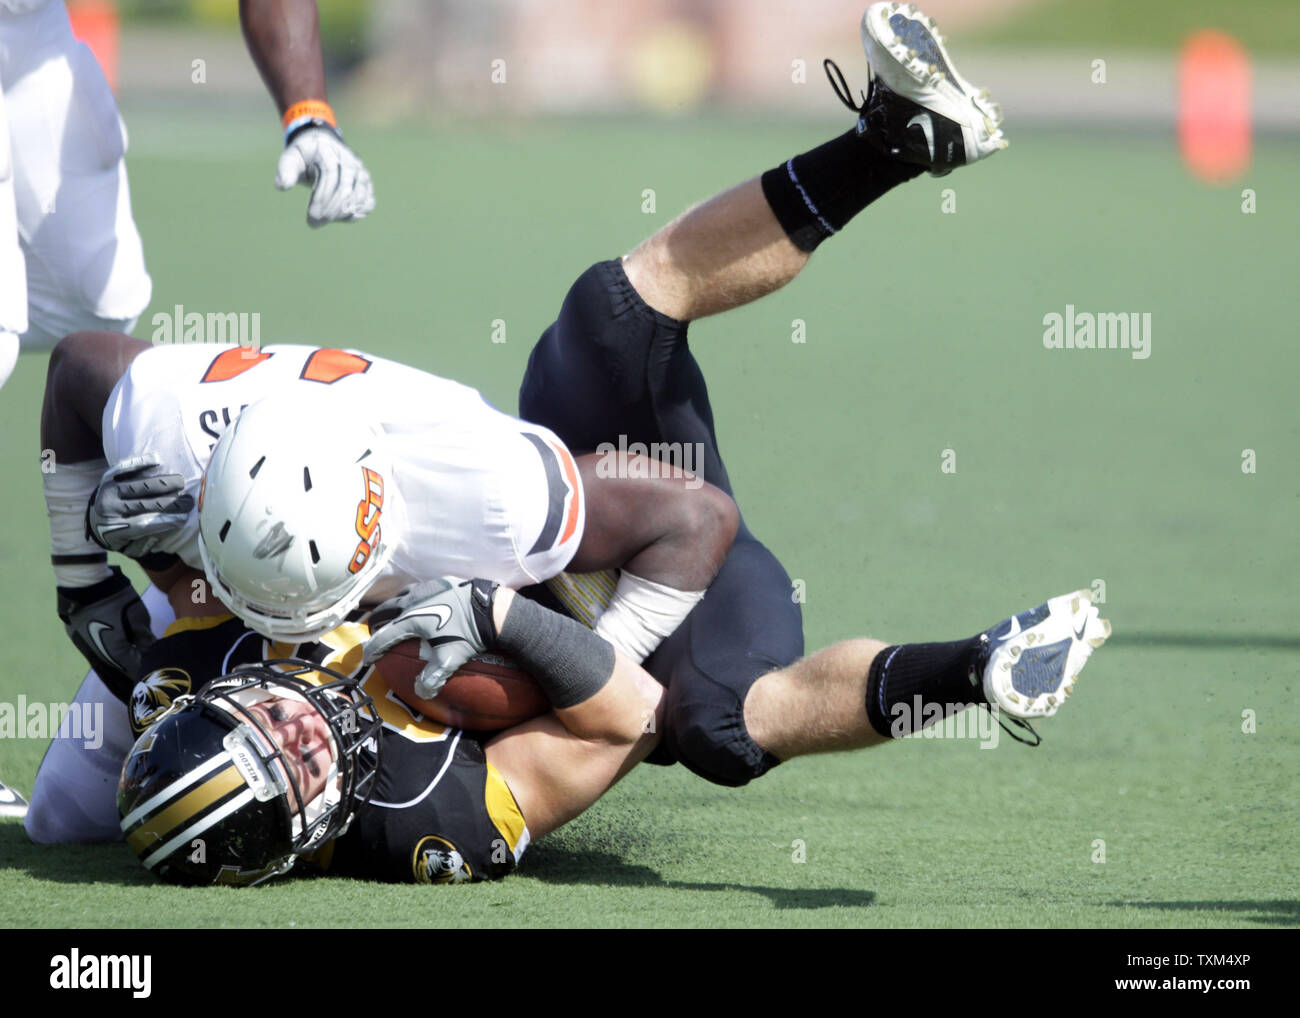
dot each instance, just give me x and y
(923, 333)
(1261, 26)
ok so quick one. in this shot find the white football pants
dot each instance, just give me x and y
(70, 254)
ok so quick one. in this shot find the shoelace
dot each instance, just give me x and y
(841, 87)
(1021, 723)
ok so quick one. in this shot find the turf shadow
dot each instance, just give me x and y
(556, 865)
(114, 864)
(1271, 912)
(70, 864)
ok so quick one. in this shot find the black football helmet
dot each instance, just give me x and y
(206, 796)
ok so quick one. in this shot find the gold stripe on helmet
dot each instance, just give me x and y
(156, 828)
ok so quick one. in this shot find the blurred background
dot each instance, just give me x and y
(1155, 149)
(414, 60)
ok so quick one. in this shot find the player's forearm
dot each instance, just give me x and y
(627, 712)
(667, 531)
(283, 38)
(619, 702)
(558, 764)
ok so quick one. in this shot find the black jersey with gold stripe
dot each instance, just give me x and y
(439, 812)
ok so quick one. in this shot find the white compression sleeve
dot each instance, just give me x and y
(643, 613)
(68, 487)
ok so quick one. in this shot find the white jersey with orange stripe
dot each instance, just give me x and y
(485, 494)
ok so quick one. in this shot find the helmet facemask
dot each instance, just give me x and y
(263, 824)
(258, 753)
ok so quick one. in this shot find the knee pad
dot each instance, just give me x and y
(704, 731)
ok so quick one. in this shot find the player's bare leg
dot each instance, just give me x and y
(862, 693)
(817, 704)
(723, 253)
(919, 114)
(735, 248)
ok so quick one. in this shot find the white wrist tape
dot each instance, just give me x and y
(68, 488)
(643, 613)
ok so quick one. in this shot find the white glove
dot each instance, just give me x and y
(341, 189)
(451, 617)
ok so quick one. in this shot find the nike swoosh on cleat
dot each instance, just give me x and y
(1014, 630)
(1078, 635)
(923, 121)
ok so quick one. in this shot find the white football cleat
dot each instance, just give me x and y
(919, 109)
(11, 803)
(1031, 661)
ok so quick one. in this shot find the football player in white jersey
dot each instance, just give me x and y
(403, 476)
(70, 255)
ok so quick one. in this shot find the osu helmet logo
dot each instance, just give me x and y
(369, 509)
(437, 861)
(155, 693)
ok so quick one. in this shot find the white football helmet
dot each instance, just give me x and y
(298, 514)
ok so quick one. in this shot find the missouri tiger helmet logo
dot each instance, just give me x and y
(155, 693)
(437, 861)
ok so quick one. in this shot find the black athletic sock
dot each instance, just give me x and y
(937, 673)
(815, 194)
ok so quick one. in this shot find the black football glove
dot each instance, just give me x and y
(110, 626)
(452, 619)
(137, 504)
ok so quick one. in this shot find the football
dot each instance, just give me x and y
(488, 693)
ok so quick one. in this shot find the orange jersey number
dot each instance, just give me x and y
(324, 364)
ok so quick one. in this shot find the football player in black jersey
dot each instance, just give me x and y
(616, 365)
(317, 758)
